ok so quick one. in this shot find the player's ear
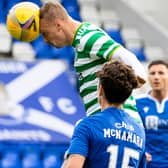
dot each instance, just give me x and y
(100, 93)
(100, 90)
(58, 25)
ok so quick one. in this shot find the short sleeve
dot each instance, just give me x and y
(80, 140)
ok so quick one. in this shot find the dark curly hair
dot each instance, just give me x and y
(118, 80)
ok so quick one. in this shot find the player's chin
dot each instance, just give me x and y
(156, 88)
(56, 44)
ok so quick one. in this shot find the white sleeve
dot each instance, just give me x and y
(130, 59)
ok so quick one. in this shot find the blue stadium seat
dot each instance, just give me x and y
(31, 159)
(10, 159)
(53, 155)
(116, 35)
(52, 160)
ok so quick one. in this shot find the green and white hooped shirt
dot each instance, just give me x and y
(93, 48)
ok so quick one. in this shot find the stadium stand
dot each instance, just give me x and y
(111, 24)
(32, 156)
(31, 159)
(23, 51)
(5, 39)
(10, 159)
(134, 42)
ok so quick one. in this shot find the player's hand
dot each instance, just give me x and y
(148, 157)
(141, 81)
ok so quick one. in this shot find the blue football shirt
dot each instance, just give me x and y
(154, 115)
(109, 139)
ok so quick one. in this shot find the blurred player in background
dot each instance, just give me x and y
(93, 48)
(153, 108)
(111, 138)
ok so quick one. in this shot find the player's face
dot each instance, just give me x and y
(52, 33)
(158, 77)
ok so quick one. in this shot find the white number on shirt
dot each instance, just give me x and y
(128, 153)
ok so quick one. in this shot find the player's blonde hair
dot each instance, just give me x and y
(52, 10)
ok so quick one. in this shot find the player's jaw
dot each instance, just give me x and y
(156, 86)
(54, 43)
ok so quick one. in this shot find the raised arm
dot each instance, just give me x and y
(130, 59)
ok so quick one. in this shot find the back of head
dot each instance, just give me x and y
(52, 10)
(117, 80)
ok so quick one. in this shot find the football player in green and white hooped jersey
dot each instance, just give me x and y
(93, 48)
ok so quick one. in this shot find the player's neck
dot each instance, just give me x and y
(159, 95)
(73, 26)
(105, 105)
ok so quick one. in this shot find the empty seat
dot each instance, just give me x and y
(10, 159)
(89, 13)
(88, 2)
(111, 24)
(53, 155)
(129, 33)
(23, 51)
(154, 53)
(5, 39)
(108, 15)
(134, 42)
(52, 160)
(31, 159)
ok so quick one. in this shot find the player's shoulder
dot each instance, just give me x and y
(145, 100)
(91, 118)
(85, 120)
